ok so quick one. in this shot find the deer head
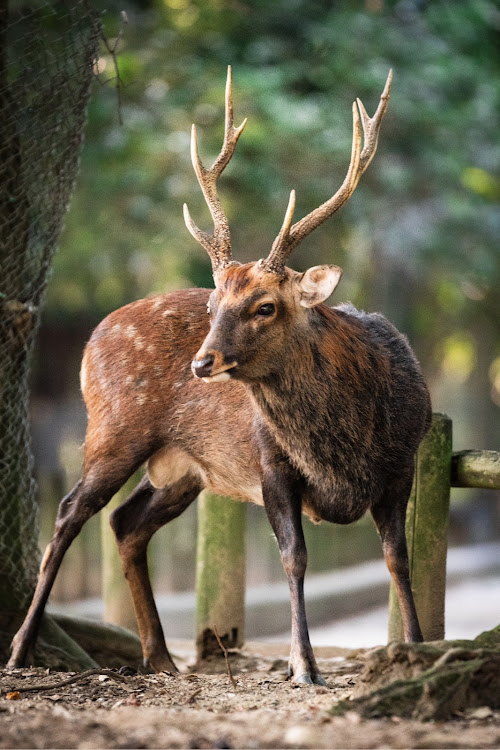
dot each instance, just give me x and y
(254, 305)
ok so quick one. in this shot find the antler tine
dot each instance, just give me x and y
(218, 245)
(360, 159)
(275, 262)
(371, 125)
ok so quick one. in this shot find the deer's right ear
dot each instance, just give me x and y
(317, 283)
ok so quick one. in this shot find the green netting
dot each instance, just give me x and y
(47, 55)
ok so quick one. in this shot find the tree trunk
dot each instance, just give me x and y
(43, 100)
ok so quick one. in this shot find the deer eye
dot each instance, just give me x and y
(267, 309)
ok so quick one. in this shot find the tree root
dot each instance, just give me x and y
(73, 644)
(429, 680)
(109, 645)
(41, 686)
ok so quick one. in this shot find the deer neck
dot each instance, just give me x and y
(312, 403)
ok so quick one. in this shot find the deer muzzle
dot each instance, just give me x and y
(212, 367)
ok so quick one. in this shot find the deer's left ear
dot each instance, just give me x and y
(317, 283)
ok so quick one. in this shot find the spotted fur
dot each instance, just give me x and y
(322, 412)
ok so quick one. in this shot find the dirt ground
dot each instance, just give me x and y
(205, 710)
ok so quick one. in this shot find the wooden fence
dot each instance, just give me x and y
(221, 542)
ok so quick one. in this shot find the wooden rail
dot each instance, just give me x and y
(221, 570)
(476, 469)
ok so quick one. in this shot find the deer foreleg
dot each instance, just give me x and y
(282, 499)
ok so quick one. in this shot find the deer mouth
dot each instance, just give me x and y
(223, 374)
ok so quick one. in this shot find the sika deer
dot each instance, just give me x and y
(310, 409)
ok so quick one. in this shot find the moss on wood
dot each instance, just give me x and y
(220, 574)
(428, 681)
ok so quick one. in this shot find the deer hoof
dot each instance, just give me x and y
(159, 664)
(304, 679)
(320, 680)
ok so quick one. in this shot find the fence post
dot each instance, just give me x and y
(427, 532)
(220, 574)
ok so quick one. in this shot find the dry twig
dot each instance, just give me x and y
(71, 680)
(226, 656)
(112, 50)
(191, 697)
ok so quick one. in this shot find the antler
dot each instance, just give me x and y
(218, 245)
(290, 236)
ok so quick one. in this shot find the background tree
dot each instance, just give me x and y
(46, 69)
(419, 241)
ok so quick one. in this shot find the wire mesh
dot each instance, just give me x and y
(47, 55)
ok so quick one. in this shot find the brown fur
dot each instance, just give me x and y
(322, 413)
(308, 409)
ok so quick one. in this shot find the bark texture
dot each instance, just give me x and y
(428, 681)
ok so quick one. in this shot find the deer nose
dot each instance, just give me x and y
(202, 368)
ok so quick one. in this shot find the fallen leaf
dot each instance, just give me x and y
(14, 696)
(133, 700)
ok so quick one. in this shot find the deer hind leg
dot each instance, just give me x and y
(94, 490)
(134, 523)
(389, 515)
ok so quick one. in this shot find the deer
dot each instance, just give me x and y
(272, 398)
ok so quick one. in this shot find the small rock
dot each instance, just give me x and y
(483, 712)
(127, 670)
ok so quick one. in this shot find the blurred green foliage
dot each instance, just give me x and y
(420, 237)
